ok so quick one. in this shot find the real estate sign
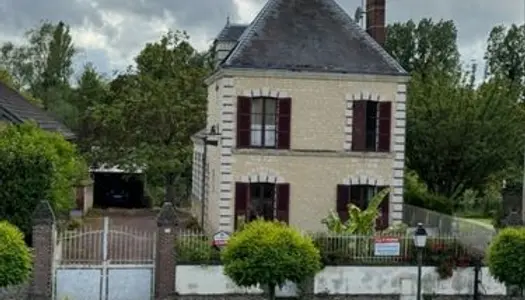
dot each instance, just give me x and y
(387, 246)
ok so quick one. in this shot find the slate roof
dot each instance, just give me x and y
(309, 35)
(231, 32)
(20, 110)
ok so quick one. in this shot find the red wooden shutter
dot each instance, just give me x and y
(357, 196)
(385, 120)
(343, 195)
(242, 196)
(384, 209)
(284, 123)
(244, 107)
(359, 126)
(283, 202)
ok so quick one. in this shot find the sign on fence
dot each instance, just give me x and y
(220, 239)
(387, 246)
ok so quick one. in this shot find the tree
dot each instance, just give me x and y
(460, 136)
(36, 165)
(91, 90)
(505, 54)
(43, 66)
(15, 257)
(425, 47)
(360, 222)
(269, 254)
(153, 111)
(505, 257)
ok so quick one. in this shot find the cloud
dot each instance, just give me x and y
(111, 32)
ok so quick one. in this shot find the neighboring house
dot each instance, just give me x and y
(306, 114)
(14, 108)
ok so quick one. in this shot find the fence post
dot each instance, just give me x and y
(44, 245)
(165, 261)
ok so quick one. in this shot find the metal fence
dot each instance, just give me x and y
(194, 247)
(472, 234)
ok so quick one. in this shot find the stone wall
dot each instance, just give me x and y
(261, 297)
(15, 292)
(334, 297)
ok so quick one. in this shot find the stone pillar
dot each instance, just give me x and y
(44, 244)
(165, 262)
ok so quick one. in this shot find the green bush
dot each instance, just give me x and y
(196, 249)
(15, 256)
(36, 165)
(506, 257)
(417, 194)
(269, 254)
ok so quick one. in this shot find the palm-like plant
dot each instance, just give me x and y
(360, 222)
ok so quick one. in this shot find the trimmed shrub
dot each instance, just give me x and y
(269, 254)
(15, 256)
(506, 257)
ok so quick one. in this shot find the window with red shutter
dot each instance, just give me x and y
(359, 126)
(385, 119)
(243, 122)
(283, 202)
(242, 197)
(343, 199)
(284, 123)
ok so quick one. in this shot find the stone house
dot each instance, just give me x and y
(306, 114)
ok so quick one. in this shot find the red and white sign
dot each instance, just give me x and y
(387, 246)
(220, 239)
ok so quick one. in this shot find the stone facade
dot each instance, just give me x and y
(15, 292)
(320, 156)
(337, 297)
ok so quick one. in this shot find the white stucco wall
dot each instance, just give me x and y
(345, 280)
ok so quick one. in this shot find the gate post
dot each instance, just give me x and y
(165, 260)
(44, 245)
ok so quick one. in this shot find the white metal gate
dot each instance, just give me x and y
(108, 263)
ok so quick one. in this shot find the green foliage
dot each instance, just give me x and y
(417, 194)
(458, 136)
(196, 249)
(15, 256)
(506, 257)
(425, 46)
(360, 222)
(269, 254)
(153, 111)
(36, 165)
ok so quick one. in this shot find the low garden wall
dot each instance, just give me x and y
(337, 297)
(15, 292)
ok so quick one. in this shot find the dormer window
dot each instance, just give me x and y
(263, 122)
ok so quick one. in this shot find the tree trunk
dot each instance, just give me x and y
(170, 189)
(271, 292)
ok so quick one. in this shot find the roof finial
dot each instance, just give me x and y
(228, 20)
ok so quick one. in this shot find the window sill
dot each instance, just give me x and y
(315, 153)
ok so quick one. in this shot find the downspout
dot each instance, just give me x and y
(203, 180)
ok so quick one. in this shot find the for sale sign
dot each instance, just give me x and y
(220, 239)
(387, 246)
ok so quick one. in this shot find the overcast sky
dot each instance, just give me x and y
(111, 32)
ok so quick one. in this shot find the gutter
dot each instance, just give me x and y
(203, 180)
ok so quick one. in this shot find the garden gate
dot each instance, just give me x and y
(106, 263)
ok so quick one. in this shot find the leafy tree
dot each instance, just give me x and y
(426, 46)
(43, 66)
(36, 165)
(505, 54)
(505, 257)
(153, 111)
(459, 136)
(360, 222)
(269, 254)
(15, 257)
(91, 90)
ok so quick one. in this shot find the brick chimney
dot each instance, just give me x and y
(375, 20)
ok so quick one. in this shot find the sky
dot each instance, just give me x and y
(109, 33)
